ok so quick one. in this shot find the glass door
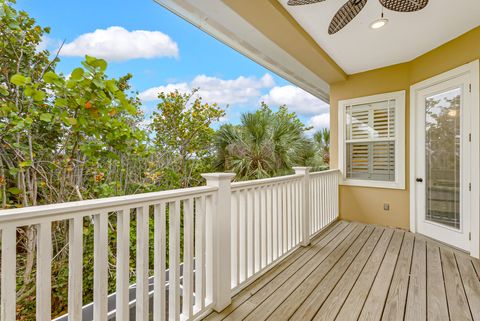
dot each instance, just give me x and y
(442, 156)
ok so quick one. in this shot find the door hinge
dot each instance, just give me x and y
(470, 88)
(470, 137)
(470, 236)
(470, 187)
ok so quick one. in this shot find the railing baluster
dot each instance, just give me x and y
(257, 230)
(44, 271)
(188, 258)
(123, 265)
(9, 272)
(75, 268)
(100, 276)
(200, 253)
(243, 236)
(159, 244)
(174, 261)
(234, 245)
(335, 199)
(238, 237)
(270, 224)
(251, 233)
(319, 204)
(314, 210)
(284, 219)
(288, 220)
(141, 305)
(279, 216)
(326, 200)
(297, 212)
(264, 227)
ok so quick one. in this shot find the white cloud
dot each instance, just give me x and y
(118, 44)
(217, 90)
(319, 122)
(296, 99)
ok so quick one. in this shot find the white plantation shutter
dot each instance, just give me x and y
(370, 141)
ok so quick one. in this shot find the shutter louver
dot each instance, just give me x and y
(370, 144)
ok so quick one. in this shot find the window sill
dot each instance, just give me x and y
(373, 184)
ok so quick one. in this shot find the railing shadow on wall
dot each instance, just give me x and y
(208, 243)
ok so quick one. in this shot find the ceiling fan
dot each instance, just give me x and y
(350, 9)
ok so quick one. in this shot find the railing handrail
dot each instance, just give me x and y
(264, 181)
(324, 172)
(99, 204)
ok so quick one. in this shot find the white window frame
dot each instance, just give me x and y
(399, 98)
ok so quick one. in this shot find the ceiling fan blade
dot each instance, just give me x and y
(345, 14)
(404, 5)
(302, 2)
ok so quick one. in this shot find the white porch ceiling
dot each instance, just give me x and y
(358, 48)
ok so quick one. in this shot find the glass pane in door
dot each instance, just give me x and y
(442, 139)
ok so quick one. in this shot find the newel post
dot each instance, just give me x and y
(305, 171)
(221, 230)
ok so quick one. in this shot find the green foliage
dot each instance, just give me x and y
(266, 144)
(184, 136)
(321, 140)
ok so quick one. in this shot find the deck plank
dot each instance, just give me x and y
(266, 307)
(373, 308)
(416, 306)
(458, 305)
(320, 280)
(471, 284)
(476, 265)
(325, 302)
(319, 252)
(353, 305)
(397, 295)
(330, 308)
(285, 267)
(353, 271)
(437, 308)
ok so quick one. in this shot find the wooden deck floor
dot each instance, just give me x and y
(354, 271)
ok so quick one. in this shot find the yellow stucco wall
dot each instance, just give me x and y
(366, 204)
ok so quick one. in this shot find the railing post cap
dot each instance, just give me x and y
(218, 176)
(299, 169)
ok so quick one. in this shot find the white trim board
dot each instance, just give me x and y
(399, 97)
(218, 20)
(473, 70)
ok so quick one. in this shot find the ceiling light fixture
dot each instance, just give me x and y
(379, 23)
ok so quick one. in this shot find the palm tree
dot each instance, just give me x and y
(265, 144)
(322, 145)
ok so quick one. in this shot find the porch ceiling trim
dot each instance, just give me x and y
(223, 23)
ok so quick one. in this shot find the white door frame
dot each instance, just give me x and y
(472, 69)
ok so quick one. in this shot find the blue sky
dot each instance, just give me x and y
(164, 52)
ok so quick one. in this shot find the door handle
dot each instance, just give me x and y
(419, 179)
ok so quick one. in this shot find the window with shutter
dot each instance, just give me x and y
(372, 140)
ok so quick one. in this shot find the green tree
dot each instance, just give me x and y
(321, 140)
(61, 139)
(184, 137)
(265, 144)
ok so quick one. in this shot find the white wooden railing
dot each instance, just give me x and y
(244, 228)
(323, 198)
(266, 223)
